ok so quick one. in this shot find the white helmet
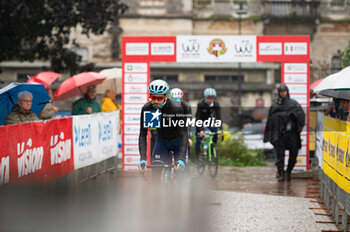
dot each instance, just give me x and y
(176, 94)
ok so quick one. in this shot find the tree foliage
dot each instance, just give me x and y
(345, 56)
(39, 29)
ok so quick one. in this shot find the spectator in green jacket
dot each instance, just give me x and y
(88, 103)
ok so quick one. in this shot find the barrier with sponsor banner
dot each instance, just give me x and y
(291, 51)
(42, 152)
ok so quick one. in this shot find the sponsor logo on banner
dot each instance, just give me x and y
(132, 118)
(135, 98)
(4, 170)
(83, 136)
(137, 49)
(133, 108)
(29, 159)
(131, 159)
(132, 129)
(294, 88)
(135, 77)
(270, 48)
(295, 68)
(60, 149)
(190, 48)
(135, 88)
(244, 48)
(151, 119)
(300, 98)
(135, 67)
(295, 78)
(217, 47)
(105, 130)
(162, 49)
(131, 139)
(131, 149)
(295, 48)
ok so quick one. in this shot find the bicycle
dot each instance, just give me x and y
(209, 155)
(167, 169)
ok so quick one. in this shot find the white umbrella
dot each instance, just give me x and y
(336, 85)
(113, 80)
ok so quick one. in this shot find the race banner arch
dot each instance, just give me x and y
(293, 52)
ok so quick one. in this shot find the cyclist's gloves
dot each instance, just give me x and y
(181, 164)
(142, 164)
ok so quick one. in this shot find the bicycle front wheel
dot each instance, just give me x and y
(213, 162)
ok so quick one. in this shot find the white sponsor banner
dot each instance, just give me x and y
(294, 88)
(131, 129)
(131, 149)
(131, 167)
(131, 139)
(131, 160)
(132, 109)
(135, 98)
(137, 49)
(303, 140)
(295, 48)
(95, 138)
(270, 48)
(295, 78)
(216, 48)
(131, 118)
(295, 68)
(135, 68)
(135, 77)
(300, 98)
(162, 49)
(135, 88)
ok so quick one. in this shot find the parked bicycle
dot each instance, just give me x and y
(210, 156)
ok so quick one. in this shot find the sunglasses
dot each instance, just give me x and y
(157, 98)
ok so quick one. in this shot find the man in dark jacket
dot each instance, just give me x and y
(285, 122)
(87, 104)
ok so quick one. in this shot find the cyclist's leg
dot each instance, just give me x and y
(214, 129)
(160, 155)
(197, 147)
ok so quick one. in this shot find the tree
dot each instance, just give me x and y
(39, 29)
(345, 56)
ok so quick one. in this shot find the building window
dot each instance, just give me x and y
(151, 3)
(335, 64)
(166, 77)
(82, 52)
(23, 77)
(215, 78)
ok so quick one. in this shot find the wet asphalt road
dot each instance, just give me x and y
(239, 199)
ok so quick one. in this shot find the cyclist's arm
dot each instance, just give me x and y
(198, 114)
(218, 113)
(143, 140)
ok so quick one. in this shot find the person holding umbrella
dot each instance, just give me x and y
(22, 111)
(88, 103)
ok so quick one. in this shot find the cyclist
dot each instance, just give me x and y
(207, 108)
(177, 95)
(169, 138)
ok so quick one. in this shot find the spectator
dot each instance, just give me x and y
(49, 110)
(285, 122)
(109, 104)
(87, 104)
(344, 110)
(22, 111)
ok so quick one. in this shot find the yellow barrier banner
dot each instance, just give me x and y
(335, 147)
(312, 130)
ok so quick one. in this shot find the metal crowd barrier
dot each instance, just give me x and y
(85, 174)
(336, 200)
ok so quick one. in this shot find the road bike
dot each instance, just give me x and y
(210, 156)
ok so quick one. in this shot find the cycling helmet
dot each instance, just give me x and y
(158, 87)
(209, 92)
(176, 94)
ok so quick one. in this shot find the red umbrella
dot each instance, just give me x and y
(77, 84)
(46, 78)
(316, 83)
